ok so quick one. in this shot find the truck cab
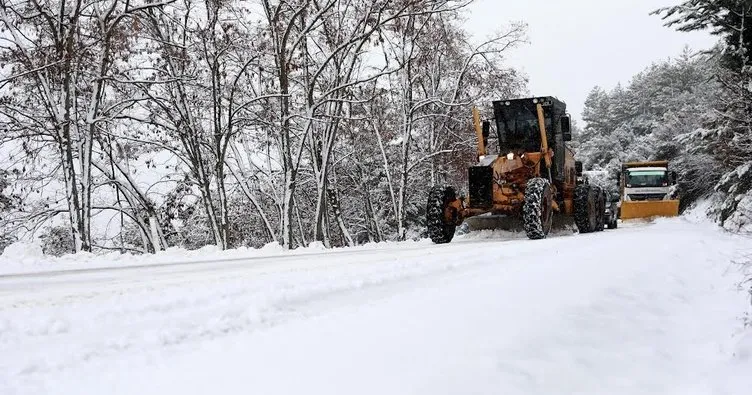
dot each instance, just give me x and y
(648, 183)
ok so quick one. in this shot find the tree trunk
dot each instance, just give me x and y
(334, 202)
(240, 178)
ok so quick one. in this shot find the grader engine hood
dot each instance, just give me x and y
(513, 168)
(498, 179)
(502, 164)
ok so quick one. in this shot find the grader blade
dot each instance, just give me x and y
(495, 222)
(512, 223)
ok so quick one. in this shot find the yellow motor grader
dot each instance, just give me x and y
(531, 178)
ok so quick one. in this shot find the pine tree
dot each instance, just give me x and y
(729, 19)
(731, 137)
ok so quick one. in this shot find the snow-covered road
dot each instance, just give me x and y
(642, 309)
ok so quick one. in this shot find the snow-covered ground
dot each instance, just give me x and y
(648, 308)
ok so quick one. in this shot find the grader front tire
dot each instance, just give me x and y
(537, 211)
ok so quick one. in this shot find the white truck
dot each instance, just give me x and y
(647, 190)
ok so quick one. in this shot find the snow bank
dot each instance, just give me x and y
(740, 221)
(23, 253)
(702, 211)
(23, 257)
(736, 210)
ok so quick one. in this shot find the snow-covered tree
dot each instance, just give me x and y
(63, 58)
(729, 134)
(143, 125)
(660, 114)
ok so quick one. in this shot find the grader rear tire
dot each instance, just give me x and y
(585, 208)
(439, 230)
(601, 210)
(537, 211)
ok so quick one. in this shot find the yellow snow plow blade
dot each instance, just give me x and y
(647, 209)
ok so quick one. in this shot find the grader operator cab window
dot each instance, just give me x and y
(517, 126)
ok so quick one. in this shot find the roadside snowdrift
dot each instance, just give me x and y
(25, 257)
(735, 212)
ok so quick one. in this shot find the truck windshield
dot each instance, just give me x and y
(647, 178)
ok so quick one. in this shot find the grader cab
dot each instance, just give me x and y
(531, 178)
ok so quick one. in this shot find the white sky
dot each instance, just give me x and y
(578, 44)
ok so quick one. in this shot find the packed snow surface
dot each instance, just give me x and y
(651, 308)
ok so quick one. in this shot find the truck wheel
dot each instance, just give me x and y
(585, 208)
(537, 211)
(601, 211)
(440, 230)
